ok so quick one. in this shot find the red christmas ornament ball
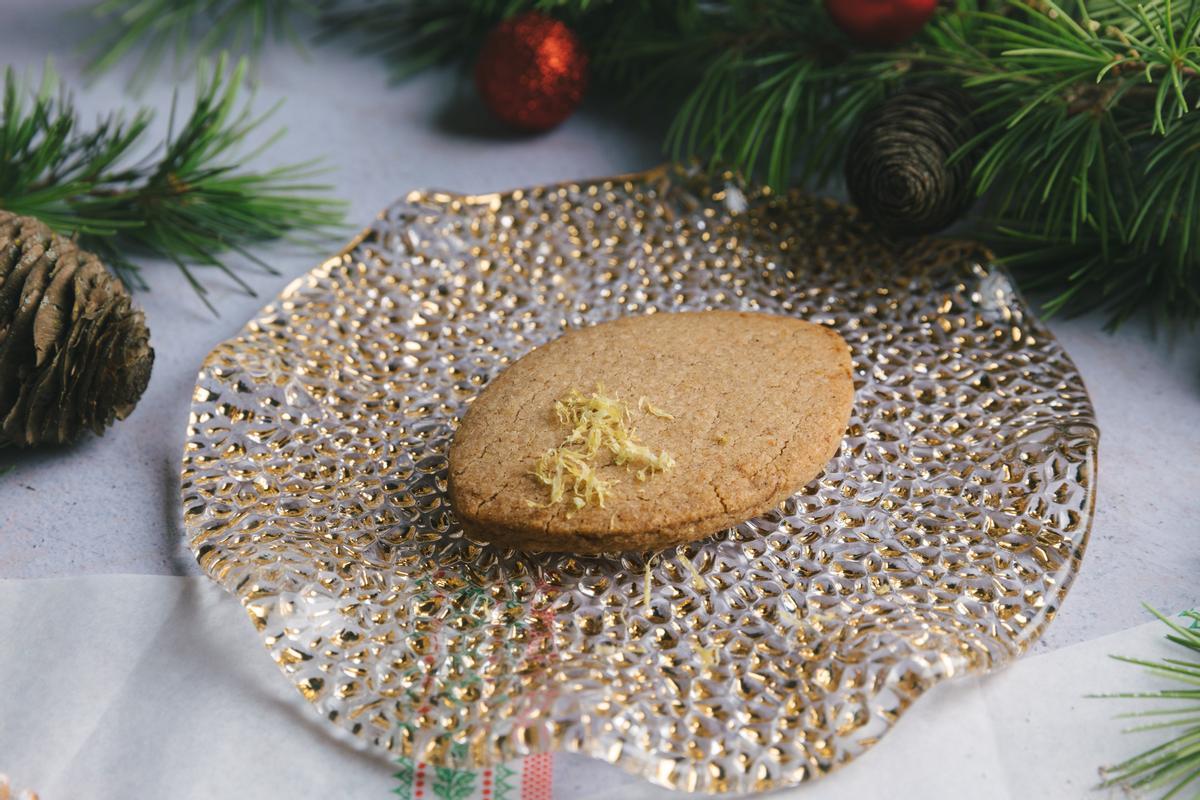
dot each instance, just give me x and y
(531, 72)
(881, 22)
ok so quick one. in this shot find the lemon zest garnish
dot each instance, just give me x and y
(789, 616)
(646, 588)
(598, 423)
(646, 584)
(722, 439)
(697, 579)
(653, 410)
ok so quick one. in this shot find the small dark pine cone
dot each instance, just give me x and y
(74, 352)
(896, 168)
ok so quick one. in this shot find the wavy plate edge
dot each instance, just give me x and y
(656, 769)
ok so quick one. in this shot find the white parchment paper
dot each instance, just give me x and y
(156, 687)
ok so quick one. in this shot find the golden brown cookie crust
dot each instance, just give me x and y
(760, 404)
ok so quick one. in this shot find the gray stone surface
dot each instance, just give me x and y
(110, 505)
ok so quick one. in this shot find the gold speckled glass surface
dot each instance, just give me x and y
(939, 540)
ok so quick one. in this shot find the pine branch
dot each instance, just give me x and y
(46, 161)
(1090, 273)
(191, 202)
(1174, 765)
(1084, 160)
(413, 35)
(197, 29)
(1086, 109)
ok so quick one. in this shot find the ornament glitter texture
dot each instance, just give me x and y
(531, 72)
(74, 352)
(880, 22)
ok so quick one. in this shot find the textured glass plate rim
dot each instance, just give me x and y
(648, 766)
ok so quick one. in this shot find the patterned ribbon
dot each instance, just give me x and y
(529, 779)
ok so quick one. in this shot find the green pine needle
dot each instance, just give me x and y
(1087, 161)
(1087, 153)
(1173, 766)
(46, 161)
(413, 35)
(190, 28)
(190, 202)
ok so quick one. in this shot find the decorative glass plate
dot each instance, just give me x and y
(939, 541)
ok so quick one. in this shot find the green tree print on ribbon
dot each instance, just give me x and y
(453, 784)
(405, 776)
(503, 787)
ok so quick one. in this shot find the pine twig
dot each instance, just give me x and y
(190, 202)
(1174, 765)
(1087, 110)
(195, 29)
(413, 35)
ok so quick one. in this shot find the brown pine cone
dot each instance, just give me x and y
(74, 352)
(898, 171)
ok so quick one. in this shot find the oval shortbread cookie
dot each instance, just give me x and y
(685, 424)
